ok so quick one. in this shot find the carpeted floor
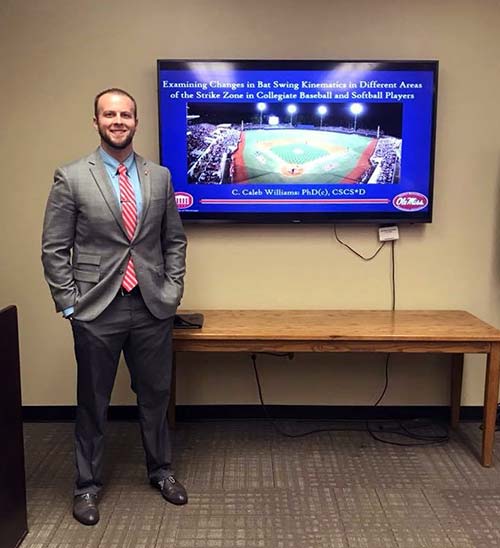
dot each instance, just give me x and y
(251, 487)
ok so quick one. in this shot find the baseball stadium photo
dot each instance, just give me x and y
(266, 143)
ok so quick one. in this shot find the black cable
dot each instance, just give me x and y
(369, 258)
(386, 385)
(353, 250)
(393, 292)
(264, 407)
(421, 439)
(433, 437)
(393, 307)
(401, 430)
(393, 272)
(430, 441)
(273, 421)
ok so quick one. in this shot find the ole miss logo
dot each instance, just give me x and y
(410, 201)
(183, 200)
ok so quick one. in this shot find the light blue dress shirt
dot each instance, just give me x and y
(111, 165)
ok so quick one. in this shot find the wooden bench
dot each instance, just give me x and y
(452, 332)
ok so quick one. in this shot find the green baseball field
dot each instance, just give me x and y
(301, 156)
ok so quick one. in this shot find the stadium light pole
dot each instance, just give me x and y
(261, 107)
(356, 109)
(322, 110)
(291, 109)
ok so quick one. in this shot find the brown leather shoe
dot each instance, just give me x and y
(172, 491)
(85, 509)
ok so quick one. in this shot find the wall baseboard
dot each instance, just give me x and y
(57, 413)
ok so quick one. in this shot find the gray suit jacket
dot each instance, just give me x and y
(85, 247)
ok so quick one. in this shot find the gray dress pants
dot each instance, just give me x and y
(128, 326)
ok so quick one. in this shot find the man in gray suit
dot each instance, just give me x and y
(113, 251)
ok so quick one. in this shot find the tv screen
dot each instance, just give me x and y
(299, 141)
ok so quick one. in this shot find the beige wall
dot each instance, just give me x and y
(56, 54)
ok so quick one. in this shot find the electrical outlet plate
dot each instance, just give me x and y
(388, 233)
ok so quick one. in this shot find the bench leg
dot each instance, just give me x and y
(457, 368)
(490, 403)
(171, 403)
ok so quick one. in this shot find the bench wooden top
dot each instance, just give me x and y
(340, 325)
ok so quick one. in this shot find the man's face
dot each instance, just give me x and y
(115, 121)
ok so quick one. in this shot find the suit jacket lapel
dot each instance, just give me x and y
(145, 180)
(98, 171)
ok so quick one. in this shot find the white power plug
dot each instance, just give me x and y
(388, 233)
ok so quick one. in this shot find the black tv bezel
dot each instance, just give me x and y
(314, 217)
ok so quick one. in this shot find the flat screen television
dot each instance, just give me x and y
(299, 141)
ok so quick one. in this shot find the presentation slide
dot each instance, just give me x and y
(345, 139)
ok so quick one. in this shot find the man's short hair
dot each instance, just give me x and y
(118, 91)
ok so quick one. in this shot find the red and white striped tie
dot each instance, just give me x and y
(129, 215)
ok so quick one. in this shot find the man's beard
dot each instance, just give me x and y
(116, 146)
